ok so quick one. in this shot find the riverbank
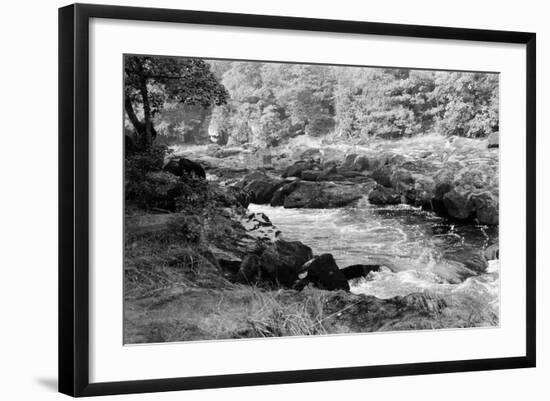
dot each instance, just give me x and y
(214, 267)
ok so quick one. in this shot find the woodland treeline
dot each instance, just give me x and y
(234, 102)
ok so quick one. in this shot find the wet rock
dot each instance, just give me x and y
(247, 179)
(382, 175)
(492, 140)
(458, 204)
(356, 271)
(402, 180)
(281, 262)
(296, 169)
(422, 193)
(261, 191)
(332, 177)
(486, 208)
(361, 163)
(437, 203)
(281, 193)
(377, 162)
(323, 272)
(322, 195)
(348, 162)
(384, 196)
(230, 196)
(260, 187)
(329, 167)
(313, 154)
(472, 259)
(310, 175)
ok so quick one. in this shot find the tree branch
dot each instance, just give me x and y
(132, 114)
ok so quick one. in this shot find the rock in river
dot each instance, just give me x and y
(281, 262)
(296, 169)
(260, 187)
(356, 271)
(281, 193)
(384, 196)
(324, 273)
(458, 204)
(320, 195)
(486, 206)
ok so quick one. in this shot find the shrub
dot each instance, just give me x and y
(139, 186)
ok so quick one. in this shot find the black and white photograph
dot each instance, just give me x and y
(270, 199)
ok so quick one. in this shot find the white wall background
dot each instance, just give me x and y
(28, 199)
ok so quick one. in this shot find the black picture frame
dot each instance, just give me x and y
(74, 198)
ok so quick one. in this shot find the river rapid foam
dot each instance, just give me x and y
(417, 251)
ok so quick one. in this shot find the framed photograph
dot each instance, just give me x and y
(250, 199)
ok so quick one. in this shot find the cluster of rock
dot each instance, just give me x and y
(306, 185)
(456, 189)
(292, 264)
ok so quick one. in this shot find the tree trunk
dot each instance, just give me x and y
(145, 131)
(148, 126)
(132, 114)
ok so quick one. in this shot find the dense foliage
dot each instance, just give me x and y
(271, 102)
(187, 100)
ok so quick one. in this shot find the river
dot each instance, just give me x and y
(418, 251)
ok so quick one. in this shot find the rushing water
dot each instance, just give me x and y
(418, 250)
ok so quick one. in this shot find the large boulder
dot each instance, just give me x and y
(281, 262)
(329, 170)
(322, 195)
(260, 187)
(349, 160)
(382, 175)
(296, 169)
(182, 166)
(402, 180)
(361, 163)
(486, 207)
(356, 271)
(329, 167)
(441, 189)
(323, 272)
(422, 193)
(249, 269)
(311, 175)
(229, 196)
(377, 162)
(384, 196)
(458, 204)
(278, 198)
(311, 154)
(261, 191)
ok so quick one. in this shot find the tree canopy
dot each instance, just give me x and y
(150, 82)
(271, 102)
(268, 103)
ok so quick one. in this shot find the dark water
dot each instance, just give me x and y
(419, 251)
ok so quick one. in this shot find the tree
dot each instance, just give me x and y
(467, 103)
(152, 81)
